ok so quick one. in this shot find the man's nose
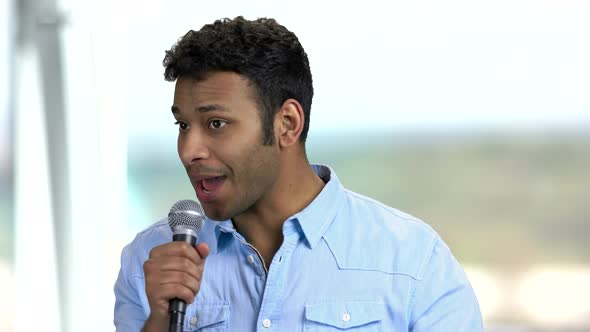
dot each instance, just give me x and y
(192, 148)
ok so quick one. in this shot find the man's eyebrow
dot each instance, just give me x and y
(202, 109)
(212, 107)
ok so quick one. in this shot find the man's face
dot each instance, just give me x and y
(220, 143)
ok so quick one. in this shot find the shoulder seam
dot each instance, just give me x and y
(158, 224)
(392, 211)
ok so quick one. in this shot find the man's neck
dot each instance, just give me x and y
(262, 225)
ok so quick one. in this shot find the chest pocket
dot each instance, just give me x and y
(347, 316)
(207, 317)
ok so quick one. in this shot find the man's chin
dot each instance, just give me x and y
(215, 214)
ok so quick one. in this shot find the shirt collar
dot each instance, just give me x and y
(319, 214)
(314, 219)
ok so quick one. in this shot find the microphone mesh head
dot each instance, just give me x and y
(186, 214)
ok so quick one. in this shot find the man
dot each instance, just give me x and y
(285, 246)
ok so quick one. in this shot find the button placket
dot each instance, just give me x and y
(252, 249)
(276, 279)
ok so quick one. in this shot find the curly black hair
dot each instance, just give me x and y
(263, 51)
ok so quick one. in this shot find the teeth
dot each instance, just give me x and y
(206, 191)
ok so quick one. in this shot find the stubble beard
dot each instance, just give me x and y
(257, 180)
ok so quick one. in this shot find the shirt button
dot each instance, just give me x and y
(266, 323)
(194, 320)
(346, 317)
(250, 259)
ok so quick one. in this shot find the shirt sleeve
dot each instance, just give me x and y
(129, 312)
(443, 299)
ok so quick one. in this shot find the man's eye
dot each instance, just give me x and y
(216, 124)
(181, 125)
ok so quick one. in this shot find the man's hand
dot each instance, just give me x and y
(174, 269)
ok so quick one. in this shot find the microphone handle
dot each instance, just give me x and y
(177, 307)
(177, 312)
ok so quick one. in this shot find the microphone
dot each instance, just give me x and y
(186, 218)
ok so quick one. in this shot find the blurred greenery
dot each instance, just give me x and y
(496, 198)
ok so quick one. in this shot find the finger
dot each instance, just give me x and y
(166, 292)
(187, 280)
(172, 264)
(202, 249)
(176, 248)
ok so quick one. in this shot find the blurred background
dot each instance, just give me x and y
(472, 116)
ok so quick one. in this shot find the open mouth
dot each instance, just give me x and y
(207, 188)
(211, 184)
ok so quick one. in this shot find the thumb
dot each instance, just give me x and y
(202, 249)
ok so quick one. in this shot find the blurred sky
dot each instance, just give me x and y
(376, 64)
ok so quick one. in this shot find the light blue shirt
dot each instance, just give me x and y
(347, 262)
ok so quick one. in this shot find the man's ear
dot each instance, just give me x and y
(289, 122)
